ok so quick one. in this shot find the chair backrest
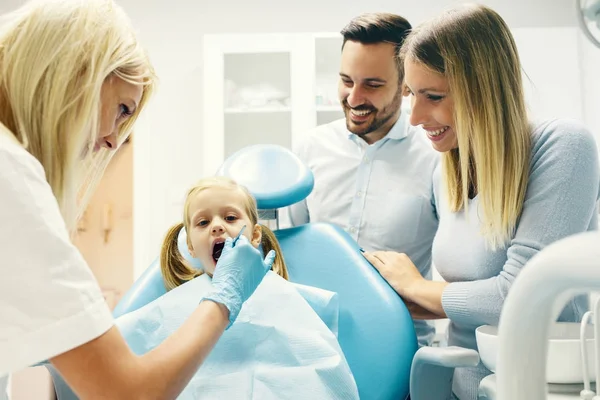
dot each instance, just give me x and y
(376, 331)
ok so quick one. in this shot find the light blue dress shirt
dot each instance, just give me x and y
(381, 194)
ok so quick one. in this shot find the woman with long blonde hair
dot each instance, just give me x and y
(507, 187)
(73, 80)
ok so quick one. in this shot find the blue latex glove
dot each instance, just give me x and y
(238, 273)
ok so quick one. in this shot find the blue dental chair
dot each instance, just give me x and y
(375, 330)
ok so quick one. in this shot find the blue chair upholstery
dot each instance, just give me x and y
(376, 331)
(274, 175)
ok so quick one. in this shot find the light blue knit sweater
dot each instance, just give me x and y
(561, 200)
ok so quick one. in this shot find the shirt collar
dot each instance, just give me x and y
(399, 130)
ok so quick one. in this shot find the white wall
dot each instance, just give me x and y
(590, 82)
(551, 74)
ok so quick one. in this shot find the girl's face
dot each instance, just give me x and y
(432, 106)
(217, 213)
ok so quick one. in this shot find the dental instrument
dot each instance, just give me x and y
(588, 13)
(238, 236)
(596, 316)
(586, 393)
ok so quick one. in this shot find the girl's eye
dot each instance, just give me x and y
(230, 218)
(202, 222)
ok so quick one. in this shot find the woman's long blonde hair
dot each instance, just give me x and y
(473, 48)
(55, 56)
(176, 271)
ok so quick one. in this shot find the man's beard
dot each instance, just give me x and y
(380, 117)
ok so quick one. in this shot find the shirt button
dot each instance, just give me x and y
(366, 160)
(352, 229)
(359, 194)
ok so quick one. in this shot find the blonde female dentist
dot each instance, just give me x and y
(73, 79)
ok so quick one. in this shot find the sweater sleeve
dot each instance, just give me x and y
(561, 200)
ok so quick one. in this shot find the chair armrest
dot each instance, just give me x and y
(433, 368)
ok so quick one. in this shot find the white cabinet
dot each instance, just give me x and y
(255, 86)
(266, 88)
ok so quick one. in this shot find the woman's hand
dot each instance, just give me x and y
(422, 297)
(397, 269)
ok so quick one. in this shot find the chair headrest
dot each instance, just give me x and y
(273, 174)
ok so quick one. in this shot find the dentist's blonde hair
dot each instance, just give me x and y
(473, 48)
(55, 56)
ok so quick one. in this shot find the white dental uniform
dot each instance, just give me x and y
(50, 301)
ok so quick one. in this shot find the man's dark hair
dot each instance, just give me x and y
(374, 28)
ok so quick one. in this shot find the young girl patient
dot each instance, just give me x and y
(215, 208)
(278, 347)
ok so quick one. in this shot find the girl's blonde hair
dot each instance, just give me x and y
(176, 271)
(55, 56)
(473, 48)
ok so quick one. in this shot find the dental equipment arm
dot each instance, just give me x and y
(553, 276)
(593, 14)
